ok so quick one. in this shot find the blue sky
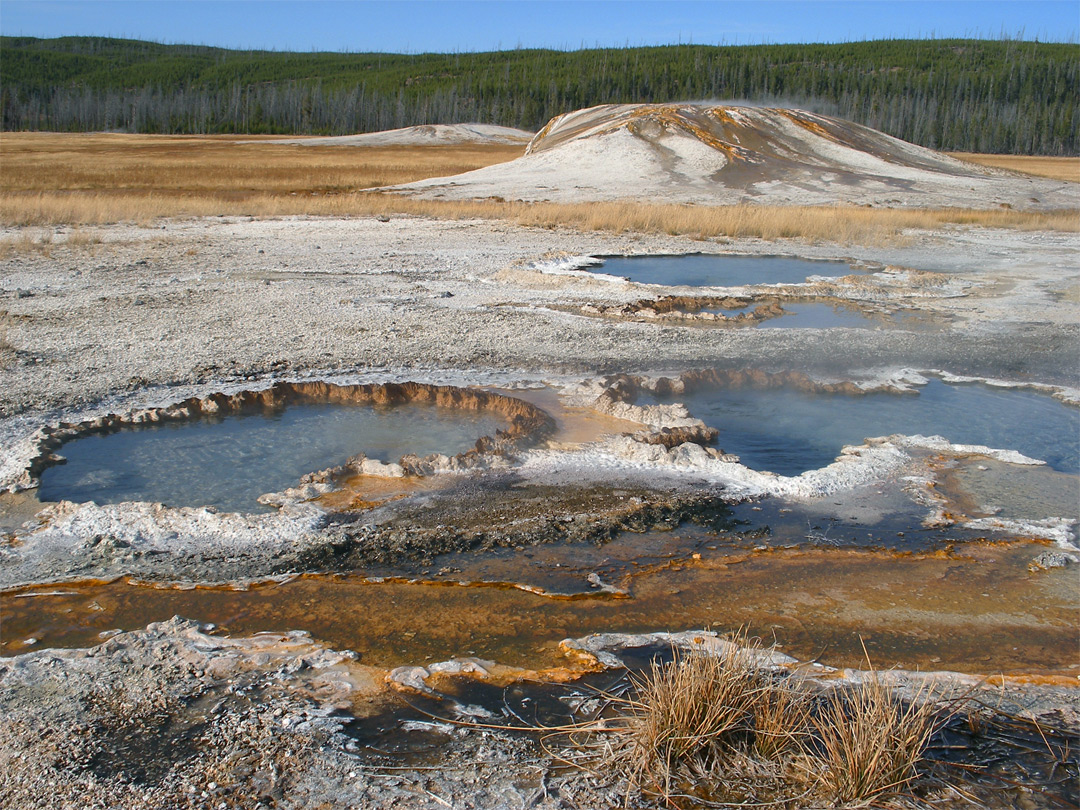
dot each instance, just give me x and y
(412, 26)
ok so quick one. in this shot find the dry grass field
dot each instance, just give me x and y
(95, 179)
(1056, 168)
(225, 167)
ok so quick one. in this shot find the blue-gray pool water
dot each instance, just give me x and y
(228, 462)
(728, 313)
(718, 271)
(818, 315)
(788, 432)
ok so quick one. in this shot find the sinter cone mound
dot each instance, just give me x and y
(721, 155)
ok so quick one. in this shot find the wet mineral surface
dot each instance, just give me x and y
(921, 556)
(976, 609)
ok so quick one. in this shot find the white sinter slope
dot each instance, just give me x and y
(720, 155)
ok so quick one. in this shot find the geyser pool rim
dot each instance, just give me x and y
(254, 539)
(872, 295)
(525, 425)
(907, 460)
(772, 309)
(679, 389)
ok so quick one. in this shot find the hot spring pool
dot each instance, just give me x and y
(229, 462)
(788, 432)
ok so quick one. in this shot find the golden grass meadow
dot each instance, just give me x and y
(1056, 168)
(96, 179)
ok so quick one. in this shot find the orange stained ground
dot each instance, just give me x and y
(981, 611)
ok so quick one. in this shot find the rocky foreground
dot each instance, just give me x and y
(174, 716)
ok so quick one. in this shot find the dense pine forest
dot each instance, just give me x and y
(1004, 96)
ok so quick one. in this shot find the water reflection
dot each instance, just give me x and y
(228, 462)
(788, 431)
(718, 271)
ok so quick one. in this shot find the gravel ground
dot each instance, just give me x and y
(206, 300)
(174, 717)
(171, 717)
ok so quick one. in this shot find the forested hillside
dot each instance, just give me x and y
(972, 95)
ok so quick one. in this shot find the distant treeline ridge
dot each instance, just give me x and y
(970, 95)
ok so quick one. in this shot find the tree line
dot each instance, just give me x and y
(1004, 96)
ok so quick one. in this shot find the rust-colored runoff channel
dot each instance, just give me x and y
(980, 610)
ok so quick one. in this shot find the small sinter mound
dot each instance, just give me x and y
(721, 155)
(423, 135)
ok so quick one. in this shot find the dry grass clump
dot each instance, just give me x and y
(717, 730)
(43, 242)
(6, 347)
(26, 243)
(869, 742)
(691, 714)
(8, 352)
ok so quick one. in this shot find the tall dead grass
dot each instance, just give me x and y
(713, 729)
(825, 223)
